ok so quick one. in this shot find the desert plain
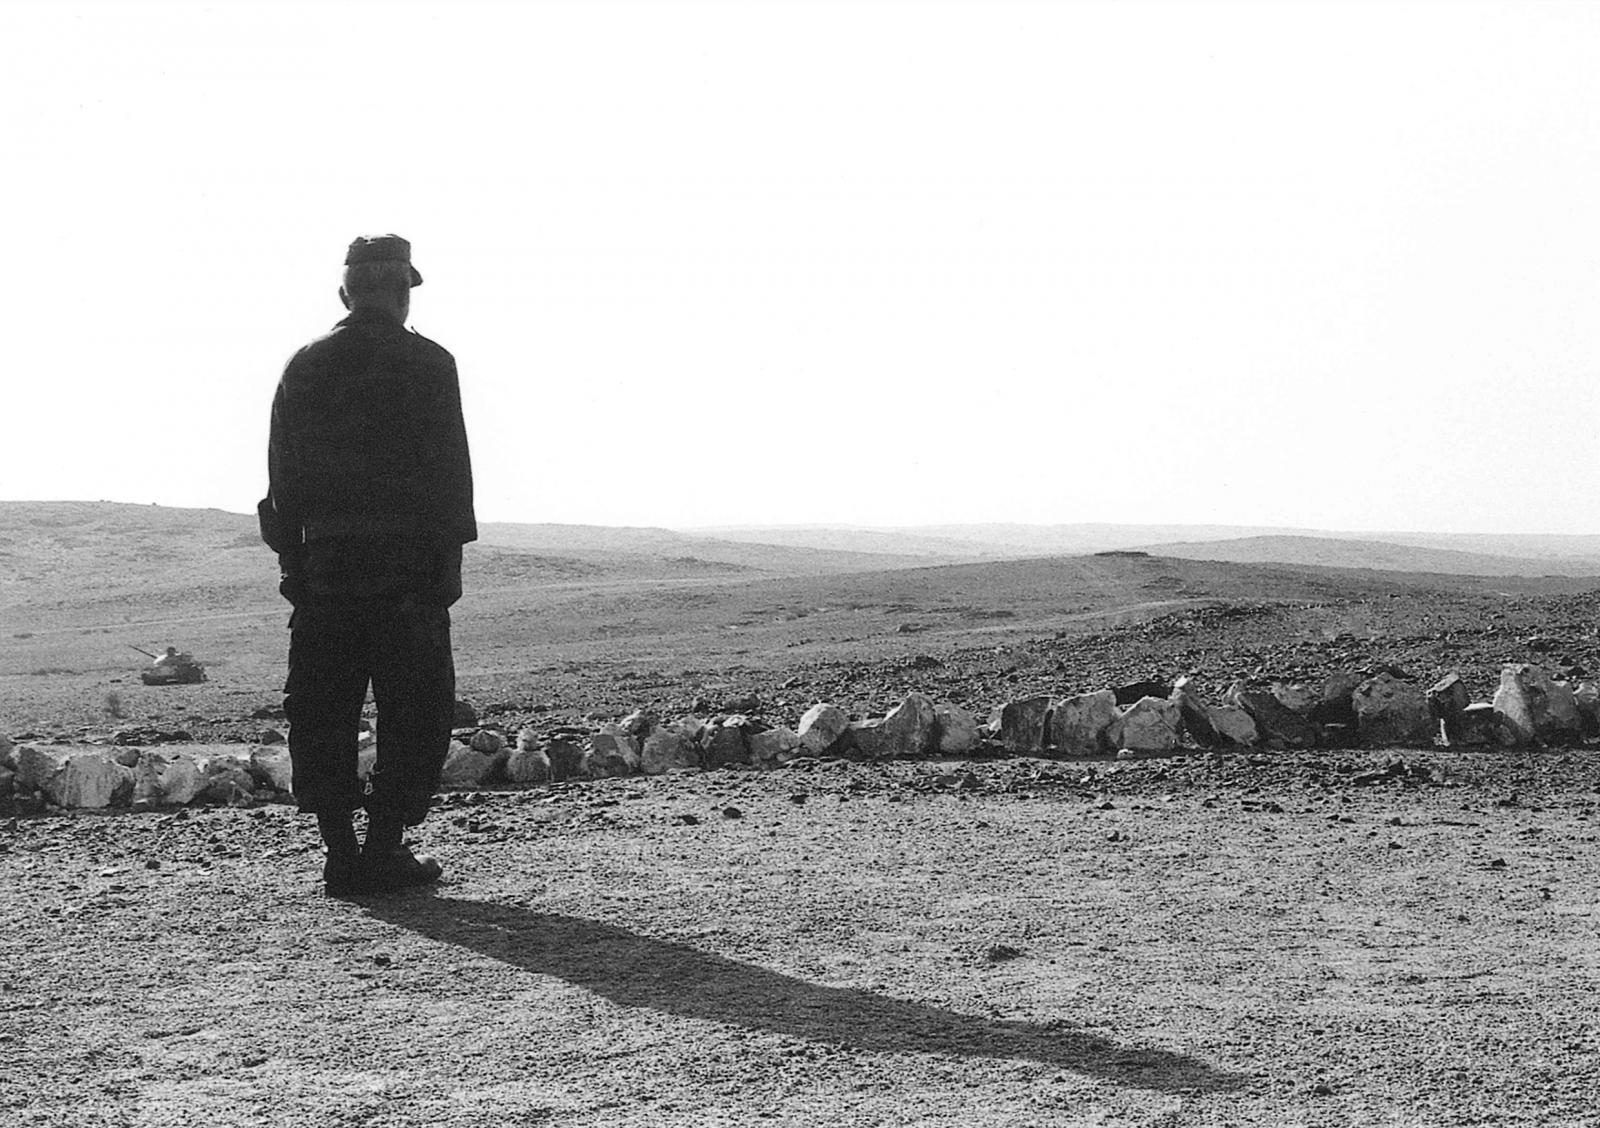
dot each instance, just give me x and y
(1339, 935)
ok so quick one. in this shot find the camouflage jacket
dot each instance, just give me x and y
(368, 446)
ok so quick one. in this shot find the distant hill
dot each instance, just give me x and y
(993, 541)
(1012, 539)
(793, 556)
(72, 546)
(1122, 578)
(1447, 553)
(880, 542)
(1100, 537)
(982, 541)
(1333, 553)
(78, 552)
(1531, 546)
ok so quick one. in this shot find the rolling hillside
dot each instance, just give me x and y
(792, 555)
(1335, 553)
(1452, 553)
(72, 555)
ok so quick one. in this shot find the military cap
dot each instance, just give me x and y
(382, 248)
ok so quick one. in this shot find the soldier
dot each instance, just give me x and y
(368, 504)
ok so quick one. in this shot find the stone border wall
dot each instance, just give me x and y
(1346, 710)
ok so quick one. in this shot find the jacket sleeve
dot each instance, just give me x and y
(456, 459)
(278, 513)
(446, 587)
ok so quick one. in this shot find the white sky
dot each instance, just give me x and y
(1330, 265)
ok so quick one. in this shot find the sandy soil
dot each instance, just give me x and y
(1316, 939)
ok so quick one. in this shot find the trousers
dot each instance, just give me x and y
(401, 648)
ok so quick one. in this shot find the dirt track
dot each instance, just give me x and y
(987, 944)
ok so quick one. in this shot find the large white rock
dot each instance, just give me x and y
(1019, 725)
(566, 759)
(168, 777)
(958, 729)
(465, 767)
(73, 776)
(866, 739)
(1391, 711)
(1334, 705)
(488, 741)
(1300, 698)
(91, 781)
(1079, 725)
(667, 749)
(228, 778)
(271, 766)
(821, 726)
(1532, 706)
(727, 743)
(528, 764)
(775, 746)
(612, 752)
(1278, 725)
(1233, 725)
(39, 763)
(1150, 724)
(911, 728)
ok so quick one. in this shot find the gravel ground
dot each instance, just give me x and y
(1335, 938)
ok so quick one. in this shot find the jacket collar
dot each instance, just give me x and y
(369, 316)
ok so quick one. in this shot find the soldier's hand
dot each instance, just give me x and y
(291, 572)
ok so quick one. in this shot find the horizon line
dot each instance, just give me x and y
(851, 526)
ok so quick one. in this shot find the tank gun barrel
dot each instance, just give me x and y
(141, 650)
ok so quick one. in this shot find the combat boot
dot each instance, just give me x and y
(342, 874)
(396, 868)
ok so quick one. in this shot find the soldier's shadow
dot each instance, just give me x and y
(675, 978)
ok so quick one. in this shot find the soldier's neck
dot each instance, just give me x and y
(388, 313)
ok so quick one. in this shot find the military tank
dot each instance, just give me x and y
(175, 667)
